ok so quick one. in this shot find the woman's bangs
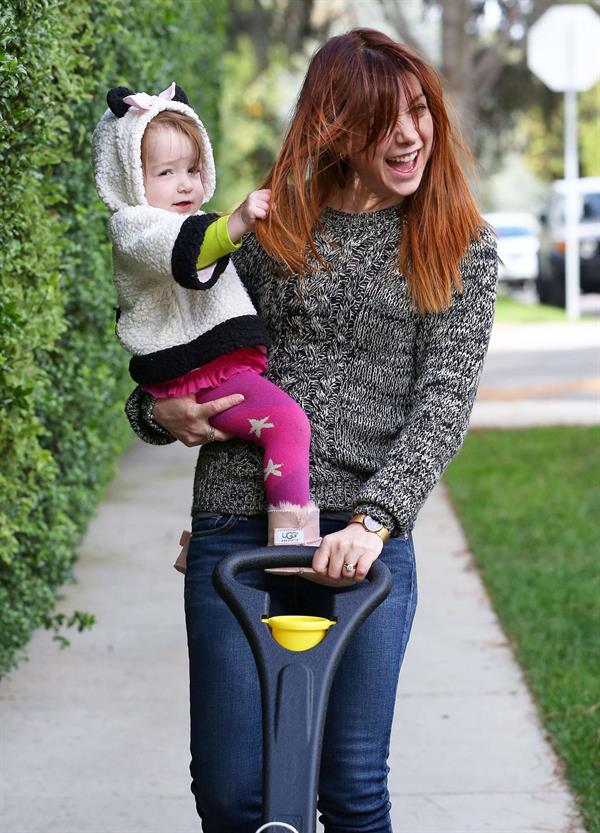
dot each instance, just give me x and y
(388, 86)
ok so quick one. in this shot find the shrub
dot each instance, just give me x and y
(63, 376)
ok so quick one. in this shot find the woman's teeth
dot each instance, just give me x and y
(404, 160)
(404, 164)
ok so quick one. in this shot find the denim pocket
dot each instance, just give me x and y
(208, 525)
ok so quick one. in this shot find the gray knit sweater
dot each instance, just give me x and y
(388, 391)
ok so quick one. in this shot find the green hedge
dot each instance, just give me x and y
(63, 376)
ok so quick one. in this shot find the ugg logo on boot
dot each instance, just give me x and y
(288, 536)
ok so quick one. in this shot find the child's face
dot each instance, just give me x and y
(171, 178)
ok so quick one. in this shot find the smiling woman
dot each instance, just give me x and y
(376, 276)
(353, 140)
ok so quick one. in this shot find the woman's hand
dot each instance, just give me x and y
(189, 422)
(350, 546)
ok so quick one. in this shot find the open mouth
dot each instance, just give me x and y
(405, 164)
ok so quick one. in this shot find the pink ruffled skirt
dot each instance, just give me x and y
(212, 373)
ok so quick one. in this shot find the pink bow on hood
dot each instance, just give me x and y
(144, 102)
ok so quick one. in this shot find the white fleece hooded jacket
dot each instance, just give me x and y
(171, 317)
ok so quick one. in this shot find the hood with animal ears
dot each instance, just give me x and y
(117, 144)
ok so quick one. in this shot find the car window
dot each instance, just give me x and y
(513, 231)
(589, 208)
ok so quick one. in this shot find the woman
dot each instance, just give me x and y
(376, 277)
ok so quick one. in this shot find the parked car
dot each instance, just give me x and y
(551, 279)
(518, 243)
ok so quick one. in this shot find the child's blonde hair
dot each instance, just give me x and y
(182, 124)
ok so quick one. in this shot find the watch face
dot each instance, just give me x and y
(371, 524)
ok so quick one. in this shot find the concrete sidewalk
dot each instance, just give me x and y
(562, 335)
(95, 738)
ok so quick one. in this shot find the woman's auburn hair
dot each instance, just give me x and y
(348, 103)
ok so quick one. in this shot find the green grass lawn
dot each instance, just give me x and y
(529, 502)
(510, 311)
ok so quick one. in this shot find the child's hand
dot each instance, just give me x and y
(255, 207)
(243, 219)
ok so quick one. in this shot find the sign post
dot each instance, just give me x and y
(572, 209)
(562, 50)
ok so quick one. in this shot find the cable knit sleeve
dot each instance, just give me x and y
(450, 350)
(138, 410)
(255, 268)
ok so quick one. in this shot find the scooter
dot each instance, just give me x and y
(296, 656)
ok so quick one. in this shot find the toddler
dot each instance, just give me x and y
(184, 314)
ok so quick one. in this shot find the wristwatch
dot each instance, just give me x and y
(372, 525)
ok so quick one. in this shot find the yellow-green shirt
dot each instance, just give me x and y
(216, 243)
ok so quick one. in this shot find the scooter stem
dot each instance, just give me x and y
(295, 686)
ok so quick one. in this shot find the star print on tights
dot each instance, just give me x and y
(270, 418)
(257, 425)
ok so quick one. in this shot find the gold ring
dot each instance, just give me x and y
(211, 435)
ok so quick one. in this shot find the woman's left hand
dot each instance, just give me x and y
(353, 546)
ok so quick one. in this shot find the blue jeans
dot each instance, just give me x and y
(226, 729)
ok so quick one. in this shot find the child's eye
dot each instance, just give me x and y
(165, 172)
(194, 170)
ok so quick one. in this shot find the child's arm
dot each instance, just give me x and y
(224, 235)
(217, 243)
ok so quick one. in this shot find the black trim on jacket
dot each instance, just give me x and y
(242, 331)
(187, 249)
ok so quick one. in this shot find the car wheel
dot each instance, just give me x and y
(542, 290)
(550, 290)
(556, 292)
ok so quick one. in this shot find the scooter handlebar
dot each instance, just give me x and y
(377, 583)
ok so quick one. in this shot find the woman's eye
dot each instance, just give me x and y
(421, 108)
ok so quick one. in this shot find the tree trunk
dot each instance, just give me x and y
(458, 64)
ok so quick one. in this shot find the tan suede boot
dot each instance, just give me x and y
(181, 560)
(293, 525)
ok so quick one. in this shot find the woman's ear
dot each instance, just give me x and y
(344, 145)
(114, 99)
(180, 95)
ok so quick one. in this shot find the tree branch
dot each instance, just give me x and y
(487, 70)
(393, 14)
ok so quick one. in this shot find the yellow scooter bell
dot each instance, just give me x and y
(298, 633)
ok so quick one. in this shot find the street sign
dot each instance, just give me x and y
(562, 50)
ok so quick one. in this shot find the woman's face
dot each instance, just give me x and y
(392, 170)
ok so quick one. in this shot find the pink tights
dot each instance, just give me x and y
(270, 418)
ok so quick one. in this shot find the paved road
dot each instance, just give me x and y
(540, 374)
(556, 362)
